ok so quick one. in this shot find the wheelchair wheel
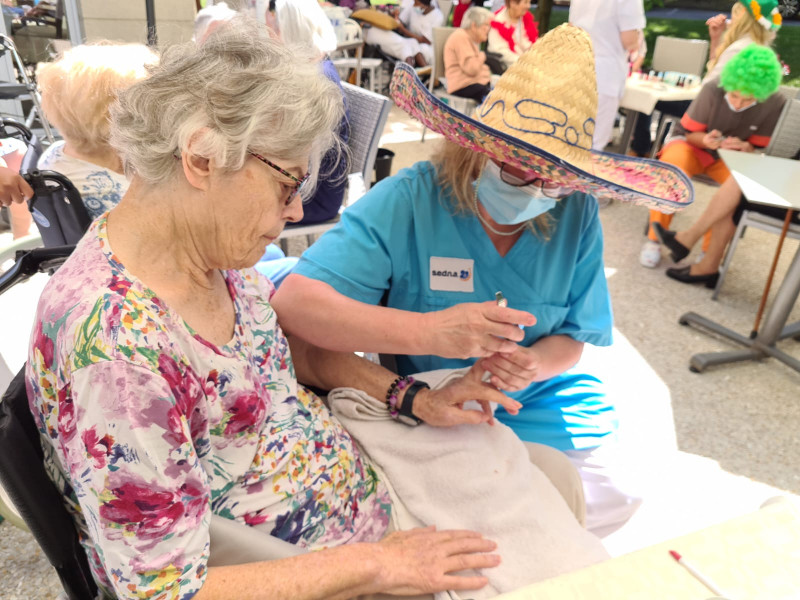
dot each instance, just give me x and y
(9, 512)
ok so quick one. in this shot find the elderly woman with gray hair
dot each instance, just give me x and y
(160, 378)
(465, 65)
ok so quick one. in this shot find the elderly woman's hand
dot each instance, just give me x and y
(472, 330)
(424, 561)
(444, 407)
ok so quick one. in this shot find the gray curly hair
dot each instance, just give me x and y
(240, 90)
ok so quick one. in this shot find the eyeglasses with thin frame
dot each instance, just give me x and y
(298, 183)
(549, 189)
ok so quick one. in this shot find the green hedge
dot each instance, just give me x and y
(787, 44)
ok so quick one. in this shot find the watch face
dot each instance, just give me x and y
(410, 421)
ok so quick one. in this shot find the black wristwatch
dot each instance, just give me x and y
(406, 413)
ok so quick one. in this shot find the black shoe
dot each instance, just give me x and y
(684, 275)
(677, 250)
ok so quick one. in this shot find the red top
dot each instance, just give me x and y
(507, 31)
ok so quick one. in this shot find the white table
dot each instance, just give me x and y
(774, 182)
(755, 556)
(641, 96)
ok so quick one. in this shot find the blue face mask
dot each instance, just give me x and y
(418, 10)
(507, 204)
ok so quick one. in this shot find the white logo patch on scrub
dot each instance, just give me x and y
(452, 274)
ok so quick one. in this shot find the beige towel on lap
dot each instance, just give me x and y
(472, 477)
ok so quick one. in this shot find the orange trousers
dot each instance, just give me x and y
(681, 155)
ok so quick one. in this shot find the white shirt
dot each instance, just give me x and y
(418, 23)
(604, 20)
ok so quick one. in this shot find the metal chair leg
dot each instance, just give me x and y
(723, 269)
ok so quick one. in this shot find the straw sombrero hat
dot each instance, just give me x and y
(540, 118)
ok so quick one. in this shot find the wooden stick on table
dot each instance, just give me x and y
(786, 223)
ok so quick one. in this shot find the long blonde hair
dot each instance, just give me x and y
(741, 25)
(458, 168)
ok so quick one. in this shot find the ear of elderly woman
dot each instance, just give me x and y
(158, 372)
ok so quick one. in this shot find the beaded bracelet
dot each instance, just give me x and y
(398, 384)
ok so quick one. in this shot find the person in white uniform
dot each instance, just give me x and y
(614, 28)
(412, 40)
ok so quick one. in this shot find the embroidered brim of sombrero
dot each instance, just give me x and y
(540, 118)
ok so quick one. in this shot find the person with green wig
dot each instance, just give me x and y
(738, 112)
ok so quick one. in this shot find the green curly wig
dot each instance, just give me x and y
(755, 71)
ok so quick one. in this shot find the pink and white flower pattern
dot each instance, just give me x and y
(155, 429)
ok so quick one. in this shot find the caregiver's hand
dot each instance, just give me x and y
(424, 561)
(514, 371)
(473, 329)
(548, 357)
(444, 407)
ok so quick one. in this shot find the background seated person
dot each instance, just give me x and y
(77, 91)
(303, 23)
(411, 267)
(159, 374)
(514, 30)
(721, 217)
(727, 40)
(465, 65)
(738, 112)
(411, 41)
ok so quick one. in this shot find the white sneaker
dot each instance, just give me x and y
(650, 255)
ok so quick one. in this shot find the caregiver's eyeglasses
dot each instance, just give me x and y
(549, 189)
(298, 183)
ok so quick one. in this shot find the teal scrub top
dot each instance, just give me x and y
(405, 245)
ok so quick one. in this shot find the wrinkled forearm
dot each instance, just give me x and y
(338, 573)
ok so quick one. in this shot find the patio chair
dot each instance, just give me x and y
(462, 105)
(680, 55)
(445, 6)
(785, 143)
(354, 33)
(368, 113)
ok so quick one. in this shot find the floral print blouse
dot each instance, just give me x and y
(151, 429)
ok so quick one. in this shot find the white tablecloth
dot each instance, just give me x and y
(641, 95)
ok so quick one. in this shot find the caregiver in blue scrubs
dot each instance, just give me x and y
(508, 205)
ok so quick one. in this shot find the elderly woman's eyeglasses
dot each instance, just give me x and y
(549, 189)
(298, 183)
